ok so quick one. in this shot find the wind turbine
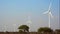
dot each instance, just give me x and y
(14, 25)
(29, 22)
(48, 12)
(5, 28)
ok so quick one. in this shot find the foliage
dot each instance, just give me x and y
(57, 30)
(24, 28)
(45, 29)
(20, 31)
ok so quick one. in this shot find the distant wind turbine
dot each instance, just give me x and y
(14, 25)
(5, 28)
(48, 12)
(29, 20)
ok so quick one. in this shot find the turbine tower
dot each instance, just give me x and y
(48, 12)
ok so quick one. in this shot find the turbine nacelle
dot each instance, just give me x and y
(49, 13)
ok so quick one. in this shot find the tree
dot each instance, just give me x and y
(20, 31)
(23, 28)
(57, 30)
(45, 29)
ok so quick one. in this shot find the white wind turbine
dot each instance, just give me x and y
(29, 22)
(14, 25)
(5, 28)
(48, 12)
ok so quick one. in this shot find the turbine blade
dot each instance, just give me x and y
(49, 6)
(46, 12)
(48, 9)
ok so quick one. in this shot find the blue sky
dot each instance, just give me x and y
(17, 12)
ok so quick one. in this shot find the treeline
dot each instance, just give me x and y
(25, 28)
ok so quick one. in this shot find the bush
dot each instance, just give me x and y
(20, 31)
(45, 29)
(57, 30)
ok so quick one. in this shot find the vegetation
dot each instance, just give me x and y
(23, 28)
(20, 31)
(57, 30)
(45, 29)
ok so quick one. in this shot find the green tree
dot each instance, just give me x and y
(23, 28)
(20, 31)
(45, 29)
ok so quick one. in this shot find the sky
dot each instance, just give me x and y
(14, 13)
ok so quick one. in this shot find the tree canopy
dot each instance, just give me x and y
(45, 29)
(24, 28)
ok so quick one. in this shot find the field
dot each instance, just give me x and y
(27, 33)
